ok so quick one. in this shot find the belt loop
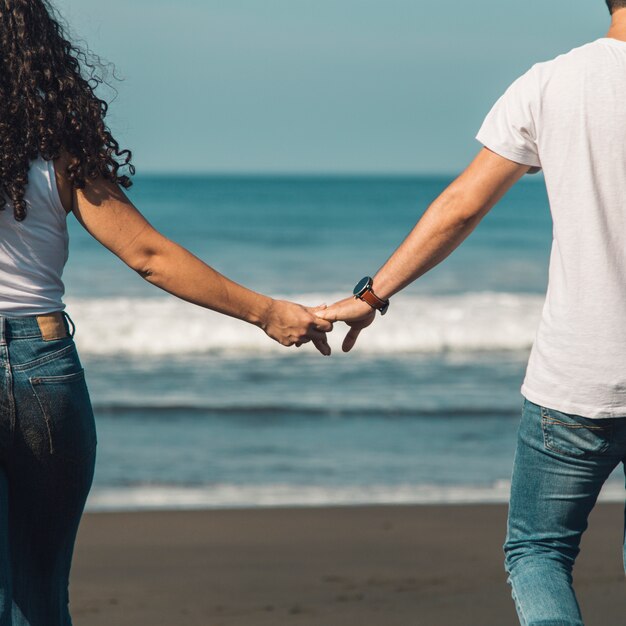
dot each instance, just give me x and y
(71, 322)
(3, 330)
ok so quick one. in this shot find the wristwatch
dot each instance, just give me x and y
(363, 291)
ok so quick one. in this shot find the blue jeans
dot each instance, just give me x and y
(561, 462)
(47, 454)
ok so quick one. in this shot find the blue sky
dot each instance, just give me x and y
(318, 86)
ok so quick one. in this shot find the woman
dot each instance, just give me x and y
(57, 156)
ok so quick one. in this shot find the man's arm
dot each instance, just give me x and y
(442, 228)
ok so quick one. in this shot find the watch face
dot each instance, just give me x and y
(362, 285)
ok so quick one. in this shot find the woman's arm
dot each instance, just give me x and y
(442, 228)
(110, 217)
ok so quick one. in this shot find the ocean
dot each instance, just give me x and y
(196, 410)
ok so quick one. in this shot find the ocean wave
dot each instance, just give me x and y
(155, 497)
(477, 321)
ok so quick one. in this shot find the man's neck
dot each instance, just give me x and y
(618, 25)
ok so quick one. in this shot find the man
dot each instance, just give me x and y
(566, 116)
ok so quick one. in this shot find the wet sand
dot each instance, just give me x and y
(334, 566)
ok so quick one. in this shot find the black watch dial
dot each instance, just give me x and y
(362, 285)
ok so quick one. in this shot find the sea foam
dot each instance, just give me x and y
(225, 495)
(161, 326)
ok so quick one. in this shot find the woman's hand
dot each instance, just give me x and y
(355, 313)
(291, 324)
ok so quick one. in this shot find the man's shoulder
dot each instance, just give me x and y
(575, 57)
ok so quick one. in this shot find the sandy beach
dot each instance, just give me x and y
(334, 566)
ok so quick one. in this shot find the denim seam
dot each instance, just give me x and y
(553, 421)
(45, 358)
(11, 397)
(46, 417)
(546, 416)
(61, 378)
(518, 604)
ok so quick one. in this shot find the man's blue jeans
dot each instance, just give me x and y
(561, 462)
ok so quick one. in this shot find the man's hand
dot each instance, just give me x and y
(291, 324)
(355, 313)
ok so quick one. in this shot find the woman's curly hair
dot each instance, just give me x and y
(48, 104)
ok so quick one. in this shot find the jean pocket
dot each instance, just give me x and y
(575, 435)
(67, 414)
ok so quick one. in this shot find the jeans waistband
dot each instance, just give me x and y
(47, 326)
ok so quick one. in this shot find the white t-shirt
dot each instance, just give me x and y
(568, 117)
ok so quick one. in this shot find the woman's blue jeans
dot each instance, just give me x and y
(561, 462)
(47, 453)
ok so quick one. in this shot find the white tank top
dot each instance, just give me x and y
(33, 252)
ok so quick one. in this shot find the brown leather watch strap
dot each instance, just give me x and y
(372, 299)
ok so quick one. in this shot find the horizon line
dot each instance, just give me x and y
(154, 173)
